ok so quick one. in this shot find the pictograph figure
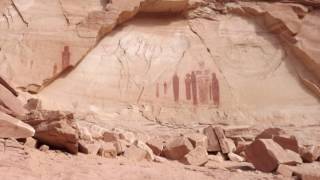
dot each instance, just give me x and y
(157, 91)
(175, 85)
(165, 87)
(194, 88)
(215, 90)
(55, 70)
(203, 87)
(65, 58)
(187, 82)
(210, 90)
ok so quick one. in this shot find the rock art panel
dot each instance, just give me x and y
(66, 58)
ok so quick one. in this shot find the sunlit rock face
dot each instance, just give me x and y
(172, 59)
(187, 67)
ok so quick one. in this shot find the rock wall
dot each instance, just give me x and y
(178, 56)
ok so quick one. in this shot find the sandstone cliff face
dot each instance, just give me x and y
(258, 59)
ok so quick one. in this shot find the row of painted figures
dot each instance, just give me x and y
(200, 88)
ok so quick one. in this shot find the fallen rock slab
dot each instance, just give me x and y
(223, 141)
(270, 133)
(287, 142)
(310, 153)
(5, 83)
(55, 128)
(294, 158)
(196, 157)
(88, 147)
(135, 153)
(213, 142)
(284, 170)
(306, 172)
(157, 145)
(10, 101)
(266, 155)
(11, 127)
(108, 150)
(237, 131)
(198, 139)
(177, 148)
(234, 157)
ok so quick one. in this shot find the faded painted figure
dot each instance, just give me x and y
(215, 90)
(175, 85)
(203, 86)
(194, 88)
(187, 82)
(165, 87)
(65, 58)
(157, 91)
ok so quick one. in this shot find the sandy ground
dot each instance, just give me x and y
(33, 164)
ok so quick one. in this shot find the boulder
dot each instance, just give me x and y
(130, 137)
(30, 142)
(156, 144)
(177, 148)
(108, 150)
(135, 153)
(234, 157)
(110, 136)
(121, 146)
(216, 158)
(44, 148)
(241, 146)
(294, 158)
(89, 147)
(237, 131)
(266, 155)
(10, 101)
(287, 142)
(196, 157)
(11, 127)
(306, 172)
(310, 153)
(84, 134)
(33, 104)
(270, 133)
(97, 132)
(144, 146)
(198, 139)
(213, 142)
(284, 170)
(55, 128)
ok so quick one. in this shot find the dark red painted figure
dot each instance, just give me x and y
(203, 84)
(165, 87)
(215, 90)
(175, 85)
(157, 90)
(55, 69)
(65, 58)
(188, 86)
(194, 88)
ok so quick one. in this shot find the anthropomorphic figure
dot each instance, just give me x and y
(165, 87)
(215, 90)
(157, 91)
(188, 86)
(175, 85)
(66, 58)
(194, 88)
